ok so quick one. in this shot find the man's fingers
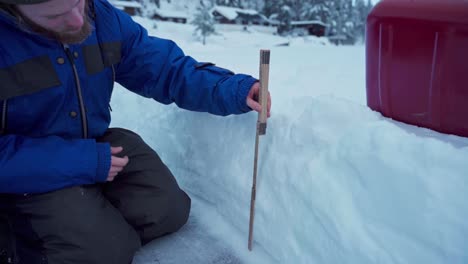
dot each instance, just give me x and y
(255, 88)
(269, 105)
(120, 162)
(254, 105)
(252, 99)
(111, 176)
(257, 107)
(269, 101)
(116, 150)
(115, 169)
(117, 163)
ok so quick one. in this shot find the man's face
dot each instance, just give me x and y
(65, 20)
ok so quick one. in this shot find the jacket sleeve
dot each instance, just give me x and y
(29, 165)
(157, 68)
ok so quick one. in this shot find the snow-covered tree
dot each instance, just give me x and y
(359, 16)
(341, 24)
(233, 3)
(203, 21)
(270, 7)
(253, 4)
(148, 8)
(285, 17)
(346, 19)
(316, 10)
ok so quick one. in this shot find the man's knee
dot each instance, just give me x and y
(146, 192)
(176, 213)
(179, 211)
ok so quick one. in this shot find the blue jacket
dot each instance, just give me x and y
(54, 99)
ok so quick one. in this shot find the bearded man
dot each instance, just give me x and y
(73, 190)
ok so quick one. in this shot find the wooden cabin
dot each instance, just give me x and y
(131, 8)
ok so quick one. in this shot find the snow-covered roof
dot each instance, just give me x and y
(125, 4)
(247, 11)
(170, 13)
(308, 22)
(231, 13)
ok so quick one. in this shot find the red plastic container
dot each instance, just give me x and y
(417, 63)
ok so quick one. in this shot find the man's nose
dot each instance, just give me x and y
(75, 19)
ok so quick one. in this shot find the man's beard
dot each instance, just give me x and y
(76, 37)
(63, 37)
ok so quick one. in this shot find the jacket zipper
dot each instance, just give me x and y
(84, 121)
(113, 81)
(3, 119)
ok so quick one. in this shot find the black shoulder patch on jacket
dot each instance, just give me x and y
(95, 62)
(212, 67)
(200, 65)
(28, 77)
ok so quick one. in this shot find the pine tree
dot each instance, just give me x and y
(204, 22)
(359, 19)
(297, 7)
(271, 7)
(345, 19)
(369, 6)
(253, 4)
(316, 10)
(285, 17)
(233, 3)
(157, 3)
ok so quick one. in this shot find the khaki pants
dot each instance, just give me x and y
(102, 223)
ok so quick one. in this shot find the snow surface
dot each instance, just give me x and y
(338, 183)
(170, 13)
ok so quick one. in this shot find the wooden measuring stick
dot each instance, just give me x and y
(261, 130)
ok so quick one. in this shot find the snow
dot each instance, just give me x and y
(170, 13)
(308, 22)
(231, 13)
(125, 4)
(337, 182)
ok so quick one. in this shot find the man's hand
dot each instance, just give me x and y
(253, 97)
(117, 164)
